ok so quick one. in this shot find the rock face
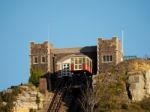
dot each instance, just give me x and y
(139, 85)
(28, 99)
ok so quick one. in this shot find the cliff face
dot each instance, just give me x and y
(139, 85)
(137, 78)
(24, 98)
(31, 99)
(127, 82)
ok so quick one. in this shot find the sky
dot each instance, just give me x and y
(67, 23)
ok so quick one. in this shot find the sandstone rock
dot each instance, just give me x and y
(147, 82)
(27, 99)
(139, 85)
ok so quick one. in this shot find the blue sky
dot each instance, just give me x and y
(71, 23)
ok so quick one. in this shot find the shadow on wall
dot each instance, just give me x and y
(91, 52)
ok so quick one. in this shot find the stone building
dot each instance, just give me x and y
(41, 56)
(107, 53)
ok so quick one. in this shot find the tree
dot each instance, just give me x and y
(89, 99)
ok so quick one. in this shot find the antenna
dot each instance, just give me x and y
(122, 39)
(48, 33)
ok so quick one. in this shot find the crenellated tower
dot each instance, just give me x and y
(109, 53)
(41, 56)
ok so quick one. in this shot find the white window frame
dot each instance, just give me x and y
(110, 58)
(42, 59)
(65, 69)
(34, 57)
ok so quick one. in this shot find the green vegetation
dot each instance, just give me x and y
(7, 98)
(36, 73)
(110, 96)
(110, 90)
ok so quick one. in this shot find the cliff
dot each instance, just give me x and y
(24, 98)
(126, 87)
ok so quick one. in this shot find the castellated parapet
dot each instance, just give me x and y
(109, 53)
(41, 56)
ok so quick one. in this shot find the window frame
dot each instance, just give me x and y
(34, 58)
(42, 59)
(108, 58)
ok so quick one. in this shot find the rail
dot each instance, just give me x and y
(57, 98)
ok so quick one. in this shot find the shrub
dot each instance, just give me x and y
(36, 73)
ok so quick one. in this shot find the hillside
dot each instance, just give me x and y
(124, 88)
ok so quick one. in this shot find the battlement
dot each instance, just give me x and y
(109, 53)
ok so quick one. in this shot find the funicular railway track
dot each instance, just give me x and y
(70, 89)
(58, 96)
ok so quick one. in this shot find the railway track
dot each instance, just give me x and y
(67, 89)
(58, 96)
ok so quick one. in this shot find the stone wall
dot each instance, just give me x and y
(108, 47)
(38, 50)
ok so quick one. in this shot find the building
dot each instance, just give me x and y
(109, 53)
(106, 54)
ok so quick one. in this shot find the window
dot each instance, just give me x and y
(87, 61)
(35, 59)
(72, 60)
(83, 60)
(80, 60)
(43, 59)
(110, 57)
(80, 66)
(76, 61)
(76, 67)
(107, 58)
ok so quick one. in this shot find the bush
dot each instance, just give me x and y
(36, 73)
(9, 98)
